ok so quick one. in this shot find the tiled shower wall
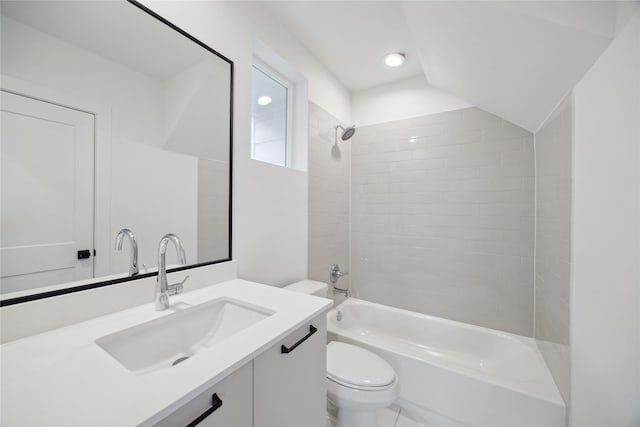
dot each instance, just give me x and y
(553, 244)
(329, 168)
(443, 218)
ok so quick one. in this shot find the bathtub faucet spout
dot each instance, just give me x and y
(344, 292)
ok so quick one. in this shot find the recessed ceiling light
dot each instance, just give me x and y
(413, 138)
(394, 59)
(264, 100)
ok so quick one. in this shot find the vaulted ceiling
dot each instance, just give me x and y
(513, 59)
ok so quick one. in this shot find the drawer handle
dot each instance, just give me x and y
(216, 402)
(312, 330)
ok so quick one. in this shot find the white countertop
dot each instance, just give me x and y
(62, 377)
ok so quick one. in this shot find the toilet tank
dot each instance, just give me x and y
(311, 287)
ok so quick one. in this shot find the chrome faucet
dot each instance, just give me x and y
(163, 289)
(133, 259)
(334, 275)
(344, 292)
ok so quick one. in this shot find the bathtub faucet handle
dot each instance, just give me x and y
(335, 273)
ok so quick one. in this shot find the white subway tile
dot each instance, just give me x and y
(441, 224)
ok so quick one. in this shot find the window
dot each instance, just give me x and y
(280, 110)
(271, 133)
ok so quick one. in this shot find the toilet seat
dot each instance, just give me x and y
(357, 368)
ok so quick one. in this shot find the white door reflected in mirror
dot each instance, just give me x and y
(47, 193)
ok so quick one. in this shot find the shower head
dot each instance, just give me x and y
(346, 133)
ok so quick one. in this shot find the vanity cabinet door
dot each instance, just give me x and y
(289, 388)
(226, 404)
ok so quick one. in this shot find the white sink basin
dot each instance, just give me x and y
(172, 339)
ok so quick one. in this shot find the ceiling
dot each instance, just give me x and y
(513, 59)
(352, 37)
(140, 42)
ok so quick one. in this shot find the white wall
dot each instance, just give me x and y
(553, 243)
(605, 282)
(269, 202)
(412, 97)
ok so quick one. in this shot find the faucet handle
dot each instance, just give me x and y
(335, 273)
(177, 288)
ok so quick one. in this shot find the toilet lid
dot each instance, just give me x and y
(356, 367)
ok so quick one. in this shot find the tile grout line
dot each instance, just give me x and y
(395, 424)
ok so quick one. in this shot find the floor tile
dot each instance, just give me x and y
(404, 421)
(387, 417)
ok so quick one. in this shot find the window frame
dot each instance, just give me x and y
(290, 87)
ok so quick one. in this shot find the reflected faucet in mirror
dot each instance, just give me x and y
(133, 259)
(163, 289)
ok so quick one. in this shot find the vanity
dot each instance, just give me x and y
(236, 353)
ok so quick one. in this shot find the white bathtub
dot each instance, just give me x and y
(453, 373)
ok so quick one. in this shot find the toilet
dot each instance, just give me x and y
(359, 382)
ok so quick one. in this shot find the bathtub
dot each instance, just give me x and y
(452, 373)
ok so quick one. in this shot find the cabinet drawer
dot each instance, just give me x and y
(232, 406)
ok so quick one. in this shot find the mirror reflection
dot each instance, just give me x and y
(115, 132)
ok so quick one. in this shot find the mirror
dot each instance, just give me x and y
(112, 118)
